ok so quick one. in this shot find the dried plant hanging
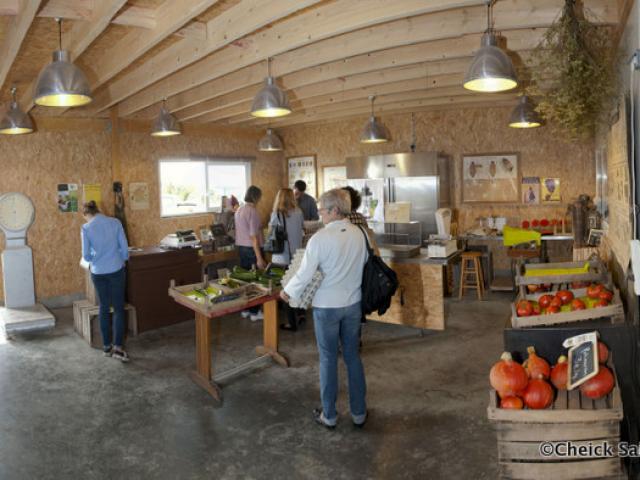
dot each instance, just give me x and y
(574, 76)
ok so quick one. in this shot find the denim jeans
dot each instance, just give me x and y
(333, 326)
(110, 290)
(247, 260)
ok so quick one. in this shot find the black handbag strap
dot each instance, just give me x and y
(366, 239)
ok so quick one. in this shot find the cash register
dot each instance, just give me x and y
(180, 239)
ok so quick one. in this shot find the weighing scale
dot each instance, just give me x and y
(20, 312)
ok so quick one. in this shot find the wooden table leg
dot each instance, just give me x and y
(270, 334)
(202, 375)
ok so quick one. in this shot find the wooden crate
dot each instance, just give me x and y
(572, 417)
(597, 273)
(615, 310)
(248, 292)
(85, 313)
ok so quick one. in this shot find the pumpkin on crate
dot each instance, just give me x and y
(600, 385)
(508, 377)
(559, 373)
(538, 394)
(536, 367)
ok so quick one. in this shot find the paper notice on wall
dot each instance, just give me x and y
(139, 196)
(68, 197)
(92, 191)
(398, 212)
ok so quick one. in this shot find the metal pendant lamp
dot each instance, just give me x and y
(525, 115)
(15, 121)
(491, 69)
(165, 124)
(61, 83)
(374, 131)
(271, 101)
(270, 142)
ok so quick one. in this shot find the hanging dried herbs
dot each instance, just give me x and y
(575, 72)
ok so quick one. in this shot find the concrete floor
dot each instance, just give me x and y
(68, 413)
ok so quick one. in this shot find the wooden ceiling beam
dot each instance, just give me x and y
(399, 104)
(516, 14)
(325, 21)
(242, 84)
(228, 27)
(78, 39)
(15, 34)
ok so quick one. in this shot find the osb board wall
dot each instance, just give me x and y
(458, 132)
(140, 154)
(34, 165)
(619, 234)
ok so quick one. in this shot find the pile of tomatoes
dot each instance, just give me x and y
(597, 295)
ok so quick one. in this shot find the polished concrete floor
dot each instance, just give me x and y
(68, 413)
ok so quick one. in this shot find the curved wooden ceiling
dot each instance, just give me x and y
(208, 57)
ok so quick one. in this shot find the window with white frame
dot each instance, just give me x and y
(197, 186)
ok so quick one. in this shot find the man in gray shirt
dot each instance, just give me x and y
(306, 202)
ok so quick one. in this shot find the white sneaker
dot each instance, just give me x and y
(257, 316)
(245, 313)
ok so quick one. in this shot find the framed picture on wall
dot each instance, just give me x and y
(491, 178)
(303, 168)
(334, 177)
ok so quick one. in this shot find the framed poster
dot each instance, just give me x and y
(68, 197)
(334, 177)
(139, 196)
(551, 190)
(491, 178)
(531, 190)
(303, 168)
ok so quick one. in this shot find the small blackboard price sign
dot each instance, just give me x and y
(583, 358)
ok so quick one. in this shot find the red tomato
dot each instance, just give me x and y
(565, 296)
(577, 304)
(593, 290)
(525, 224)
(551, 309)
(524, 308)
(601, 303)
(536, 308)
(544, 222)
(535, 223)
(556, 302)
(605, 295)
(532, 288)
(545, 300)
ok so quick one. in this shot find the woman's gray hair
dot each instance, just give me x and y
(336, 198)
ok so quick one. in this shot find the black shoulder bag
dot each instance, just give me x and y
(277, 237)
(379, 282)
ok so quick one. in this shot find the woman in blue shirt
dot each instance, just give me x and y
(105, 248)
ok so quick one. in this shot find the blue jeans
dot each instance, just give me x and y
(247, 260)
(110, 290)
(333, 326)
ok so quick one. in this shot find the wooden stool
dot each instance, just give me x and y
(471, 273)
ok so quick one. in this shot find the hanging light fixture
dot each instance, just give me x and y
(270, 142)
(271, 100)
(61, 83)
(491, 69)
(525, 115)
(374, 131)
(165, 124)
(15, 121)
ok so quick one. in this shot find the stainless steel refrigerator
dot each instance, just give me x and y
(422, 179)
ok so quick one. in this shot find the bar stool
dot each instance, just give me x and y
(471, 273)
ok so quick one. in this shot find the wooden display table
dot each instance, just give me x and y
(269, 348)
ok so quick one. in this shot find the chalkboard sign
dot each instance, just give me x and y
(583, 362)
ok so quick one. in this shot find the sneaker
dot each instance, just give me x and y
(257, 316)
(107, 351)
(361, 425)
(120, 354)
(245, 313)
(318, 417)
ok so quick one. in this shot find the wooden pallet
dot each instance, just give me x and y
(614, 310)
(572, 417)
(84, 313)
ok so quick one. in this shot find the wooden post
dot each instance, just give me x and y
(270, 334)
(202, 375)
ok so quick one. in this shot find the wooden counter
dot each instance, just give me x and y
(419, 301)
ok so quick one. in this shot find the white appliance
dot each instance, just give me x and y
(443, 221)
(180, 239)
(21, 312)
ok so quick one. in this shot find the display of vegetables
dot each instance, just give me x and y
(531, 385)
(564, 300)
(271, 276)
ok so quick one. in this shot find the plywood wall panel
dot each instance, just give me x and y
(458, 132)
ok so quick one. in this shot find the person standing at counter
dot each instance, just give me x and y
(339, 251)
(105, 248)
(249, 239)
(305, 201)
(286, 214)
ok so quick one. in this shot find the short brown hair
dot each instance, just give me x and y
(90, 208)
(253, 194)
(284, 202)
